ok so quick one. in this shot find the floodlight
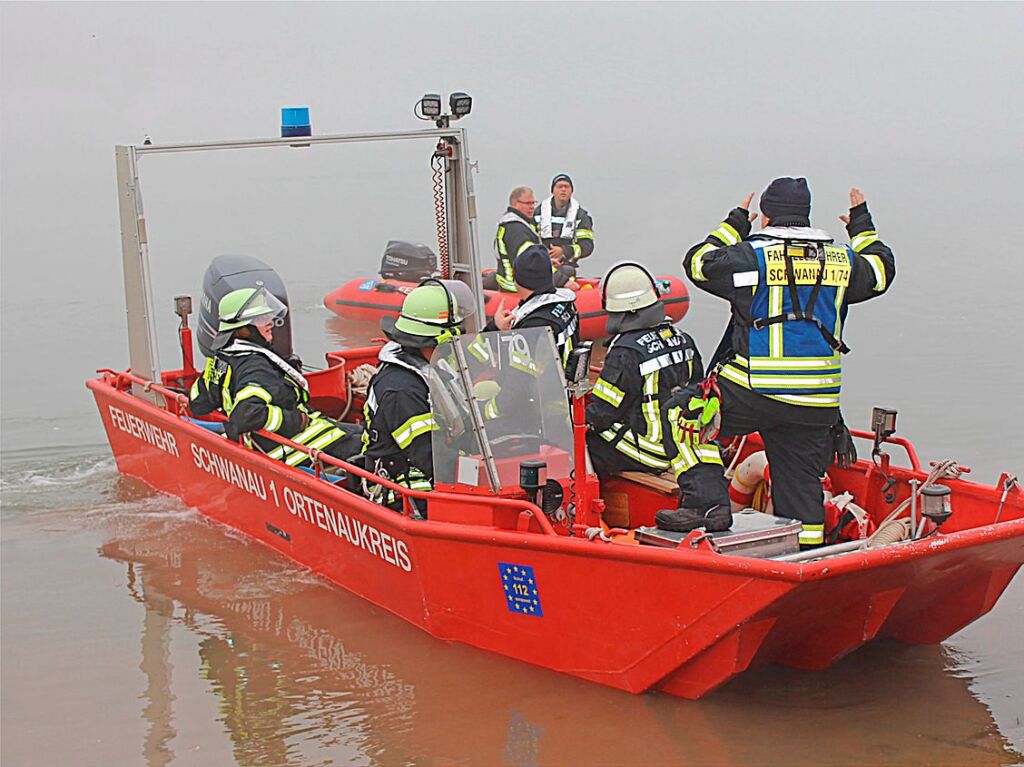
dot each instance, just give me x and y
(460, 103)
(430, 105)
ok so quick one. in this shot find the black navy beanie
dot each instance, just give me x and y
(561, 177)
(532, 269)
(787, 198)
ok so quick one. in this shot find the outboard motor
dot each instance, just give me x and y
(227, 273)
(407, 261)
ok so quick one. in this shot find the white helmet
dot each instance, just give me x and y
(628, 287)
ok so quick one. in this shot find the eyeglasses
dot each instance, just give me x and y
(531, 203)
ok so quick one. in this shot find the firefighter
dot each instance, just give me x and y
(567, 228)
(789, 287)
(541, 304)
(257, 389)
(516, 233)
(398, 414)
(647, 413)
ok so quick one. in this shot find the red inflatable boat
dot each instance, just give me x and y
(372, 298)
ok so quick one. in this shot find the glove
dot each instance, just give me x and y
(842, 445)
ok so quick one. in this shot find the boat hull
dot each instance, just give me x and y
(370, 299)
(635, 618)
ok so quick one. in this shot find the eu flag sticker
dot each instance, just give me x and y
(520, 587)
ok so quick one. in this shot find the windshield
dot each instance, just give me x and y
(517, 389)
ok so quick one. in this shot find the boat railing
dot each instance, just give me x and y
(178, 405)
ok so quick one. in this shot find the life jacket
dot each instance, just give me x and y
(797, 314)
(555, 310)
(504, 274)
(546, 221)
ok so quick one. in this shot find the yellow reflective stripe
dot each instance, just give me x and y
(812, 534)
(584, 234)
(481, 349)
(500, 241)
(726, 233)
(877, 268)
(275, 417)
(524, 246)
(522, 362)
(491, 409)
(577, 250)
(628, 449)
(796, 381)
(609, 393)
(318, 444)
(225, 392)
(194, 391)
(414, 427)
(708, 454)
(697, 262)
(860, 241)
(252, 390)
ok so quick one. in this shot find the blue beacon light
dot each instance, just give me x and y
(295, 122)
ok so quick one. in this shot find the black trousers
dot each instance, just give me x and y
(797, 443)
(700, 487)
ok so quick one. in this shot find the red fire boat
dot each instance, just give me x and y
(523, 552)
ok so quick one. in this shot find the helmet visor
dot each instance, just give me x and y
(261, 305)
(463, 302)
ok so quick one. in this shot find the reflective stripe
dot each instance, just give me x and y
(576, 250)
(252, 390)
(775, 331)
(315, 427)
(522, 362)
(584, 234)
(812, 534)
(491, 409)
(609, 393)
(877, 268)
(414, 427)
(726, 233)
(662, 361)
(697, 262)
(740, 377)
(275, 417)
(194, 391)
(650, 408)
(860, 241)
(318, 444)
(628, 449)
(481, 348)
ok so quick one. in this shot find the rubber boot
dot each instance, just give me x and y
(714, 520)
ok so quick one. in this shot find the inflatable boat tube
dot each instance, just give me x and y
(371, 298)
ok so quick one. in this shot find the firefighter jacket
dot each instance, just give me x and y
(570, 227)
(632, 407)
(515, 234)
(790, 288)
(398, 419)
(556, 310)
(257, 389)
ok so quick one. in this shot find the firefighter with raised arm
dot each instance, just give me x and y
(790, 287)
(256, 389)
(399, 418)
(647, 412)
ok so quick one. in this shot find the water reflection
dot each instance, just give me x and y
(305, 673)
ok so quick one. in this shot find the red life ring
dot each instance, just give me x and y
(749, 487)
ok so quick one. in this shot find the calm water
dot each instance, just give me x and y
(136, 633)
